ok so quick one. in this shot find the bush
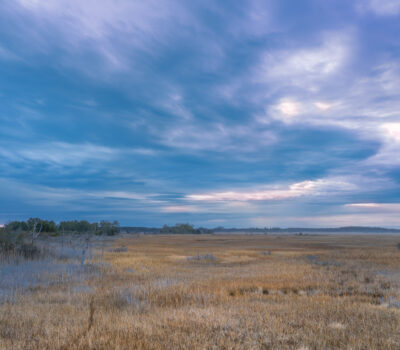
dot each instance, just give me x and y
(108, 228)
(9, 241)
(179, 229)
(25, 226)
(82, 226)
(28, 251)
(13, 243)
(206, 257)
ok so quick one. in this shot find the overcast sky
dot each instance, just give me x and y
(216, 113)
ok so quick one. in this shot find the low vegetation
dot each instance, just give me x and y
(19, 237)
(64, 227)
(203, 292)
(184, 229)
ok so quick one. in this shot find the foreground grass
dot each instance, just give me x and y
(215, 292)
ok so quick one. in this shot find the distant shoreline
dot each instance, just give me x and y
(276, 231)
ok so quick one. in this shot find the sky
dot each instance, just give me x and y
(215, 113)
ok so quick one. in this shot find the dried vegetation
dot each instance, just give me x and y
(206, 292)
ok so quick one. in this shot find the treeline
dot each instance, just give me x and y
(18, 238)
(176, 229)
(40, 226)
(183, 228)
(64, 227)
(297, 230)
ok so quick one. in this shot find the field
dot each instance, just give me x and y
(205, 292)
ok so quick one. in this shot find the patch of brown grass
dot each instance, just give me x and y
(310, 292)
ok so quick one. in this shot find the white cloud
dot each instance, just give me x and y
(7, 55)
(363, 103)
(180, 209)
(219, 137)
(387, 207)
(361, 219)
(86, 19)
(68, 154)
(323, 106)
(122, 195)
(174, 104)
(307, 111)
(306, 67)
(70, 199)
(388, 153)
(373, 95)
(289, 108)
(392, 131)
(387, 156)
(278, 192)
(110, 30)
(60, 153)
(286, 110)
(380, 7)
(363, 205)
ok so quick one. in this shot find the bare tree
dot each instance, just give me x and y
(84, 250)
(62, 238)
(37, 226)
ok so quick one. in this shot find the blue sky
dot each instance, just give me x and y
(245, 113)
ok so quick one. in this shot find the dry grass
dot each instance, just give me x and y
(217, 292)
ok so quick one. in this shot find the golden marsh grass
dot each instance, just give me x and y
(218, 292)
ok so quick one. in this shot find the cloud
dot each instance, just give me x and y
(380, 7)
(122, 195)
(69, 154)
(363, 205)
(387, 207)
(365, 103)
(323, 106)
(306, 67)
(221, 111)
(180, 209)
(110, 31)
(294, 190)
(286, 110)
(60, 153)
(7, 55)
(83, 20)
(73, 199)
(303, 110)
(218, 137)
(289, 108)
(390, 220)
(387, 154)
(392, 131)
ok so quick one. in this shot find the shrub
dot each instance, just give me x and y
(179, 228)
(108, 228)
(28, 251)
(119, 250)
(206, 257)
(9, 241)
(13, 243)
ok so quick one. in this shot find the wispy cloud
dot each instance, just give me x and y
(380, 7)
(6, 54)
(387, 207)
(180, 209)
(278, 193)
(162, 110)
(389, 220)
(60, 153)
(307, 67)
(218, 137)
(68, 154)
